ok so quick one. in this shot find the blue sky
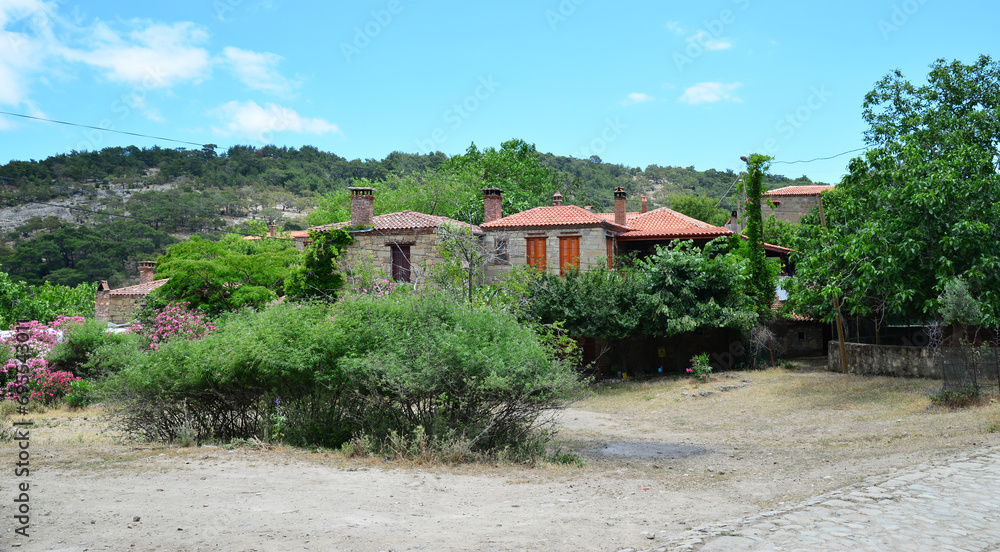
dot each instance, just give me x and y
(668, 82)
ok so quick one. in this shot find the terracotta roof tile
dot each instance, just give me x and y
(555, 215)
(779, 308)
(798, 190)
(405, 220)
(667, 223)
(140, 290)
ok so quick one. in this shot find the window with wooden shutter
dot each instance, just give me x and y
(401, 263)
(569, 254)
(611, 253)
(536, 252)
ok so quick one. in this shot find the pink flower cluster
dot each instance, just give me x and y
(36, 379)
(174, 320)
(375, 288)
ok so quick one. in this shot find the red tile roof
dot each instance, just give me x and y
(405, 220)
(667, 223)
(556, 215)
(137, 291)
(798, 190)
(779, 308)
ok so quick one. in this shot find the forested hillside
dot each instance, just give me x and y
(83, 216)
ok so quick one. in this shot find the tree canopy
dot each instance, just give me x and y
(920, 208)
(226, 275)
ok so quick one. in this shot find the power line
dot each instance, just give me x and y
(818, 158)
(102, 129)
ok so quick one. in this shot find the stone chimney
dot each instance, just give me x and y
(557, 199)
(272, 229)
(492, 204)
(362, 207)
(643, 204)
(102, 307)
(620, 195)
(147, 271)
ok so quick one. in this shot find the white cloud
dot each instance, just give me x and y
(675, 27)
(709, 43)
(257, 70)
(637, 98)
(153, 55)
(249, 120)
(711, 92)
(21, 53)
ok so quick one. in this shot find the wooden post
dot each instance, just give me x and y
(836, 304)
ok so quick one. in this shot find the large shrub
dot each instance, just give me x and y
(371, 367)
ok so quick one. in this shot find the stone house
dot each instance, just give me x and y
(791, 203)
(404, 244)
(559, 237)
(117, 305)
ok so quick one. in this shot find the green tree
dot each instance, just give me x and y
(318, 275)
(920, 208)
(226, 275)
(701, 207)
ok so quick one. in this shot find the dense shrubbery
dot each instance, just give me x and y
(376, 369)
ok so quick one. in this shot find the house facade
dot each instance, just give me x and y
(404, 244)
(791, 203)
(559, 237)
(117, 306)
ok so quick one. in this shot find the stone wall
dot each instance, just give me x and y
(376, 247)
(120, 309)
(799, 339)
(593, 248)
(893, 360)
(789, 208)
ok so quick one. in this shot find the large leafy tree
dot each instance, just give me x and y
(226, 275)
(920, 208)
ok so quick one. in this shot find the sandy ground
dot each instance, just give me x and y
(658, 458)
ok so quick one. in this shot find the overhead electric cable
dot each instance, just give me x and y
(102, 129)
(818, 158)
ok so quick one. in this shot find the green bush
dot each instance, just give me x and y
(77, 347)
(967, 395)
(366, 368)
(79, 394)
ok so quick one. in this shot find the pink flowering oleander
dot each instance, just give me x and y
(41, 382)
(176, 319)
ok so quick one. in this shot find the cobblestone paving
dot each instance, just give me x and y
(945, 505)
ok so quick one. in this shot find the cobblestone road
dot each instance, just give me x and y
(945, 505)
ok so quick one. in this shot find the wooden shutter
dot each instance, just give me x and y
(569, 254)
(536, 252)
(401, 263)
(611, 253)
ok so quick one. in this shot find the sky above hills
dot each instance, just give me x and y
(664, 82)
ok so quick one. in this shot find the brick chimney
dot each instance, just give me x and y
(557, 199)
(102, 307)
(620, 196)
(272, 229)
(492, 204)
(643, 204)
(147, 271)
(362, 207)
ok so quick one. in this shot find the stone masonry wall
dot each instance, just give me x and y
(120, 309)
(377, 247)
(791, 208)
(891, 360)
(593, 248)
